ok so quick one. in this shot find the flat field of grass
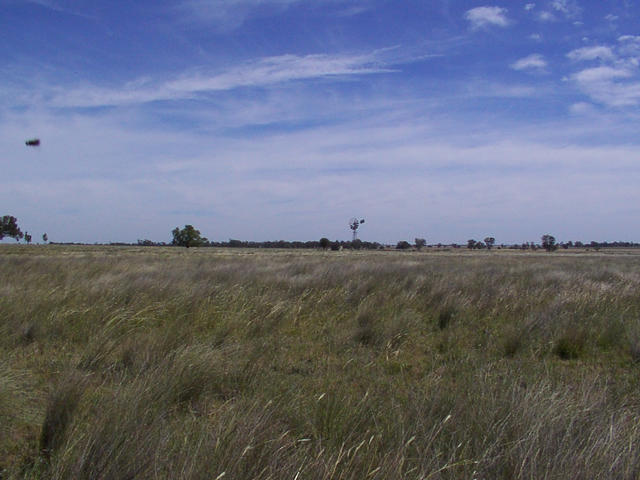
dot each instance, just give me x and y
(167, 363)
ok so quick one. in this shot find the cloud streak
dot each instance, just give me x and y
(259, 73)
(56, 7)
(228, 15)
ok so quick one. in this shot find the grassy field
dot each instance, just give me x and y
(123, 363)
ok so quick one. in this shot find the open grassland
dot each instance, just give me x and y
(123, 363)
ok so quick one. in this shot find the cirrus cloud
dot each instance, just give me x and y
(228, 15)
(257, 73)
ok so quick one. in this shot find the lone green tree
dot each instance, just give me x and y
(325, 243)
(27, 237)
(420, 243)
(489, 242)
(549, 242)
(187, 237)
(9, 228)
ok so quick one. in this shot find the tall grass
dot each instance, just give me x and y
(167, 363)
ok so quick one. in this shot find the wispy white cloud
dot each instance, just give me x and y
(60, 7)
(629, 45)
(601, 74)
(482, 17)
(611, 86)
(282, 69)
(615, 83)
(258, 73)
(581, 108)
(529, 6)
(546, 16)
(569, 8)
(226, 15)
(629, 38)
(486, 89)
(598, 52)
(560, 5)
(535, 61)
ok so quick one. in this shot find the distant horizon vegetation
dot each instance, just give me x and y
(189, 236)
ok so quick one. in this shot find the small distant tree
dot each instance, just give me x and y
(187, 237)
(471, 244)
(420, 243)
(325, 243)
(27, 237)
(403, 245)
(489, 242)
(549, 242)
(45, 238)
(9, 228)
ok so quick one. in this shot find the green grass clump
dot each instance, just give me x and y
(206, 363)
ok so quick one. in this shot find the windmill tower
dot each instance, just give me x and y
(354, 223)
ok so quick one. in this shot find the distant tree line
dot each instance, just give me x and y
(188, 236)
(284, 244)
(362, 245)
(358, 244)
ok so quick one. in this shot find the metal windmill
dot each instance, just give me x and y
(354, 223)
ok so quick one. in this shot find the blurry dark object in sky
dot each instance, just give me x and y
(34, 142)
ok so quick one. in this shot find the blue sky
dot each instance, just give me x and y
(281, 119)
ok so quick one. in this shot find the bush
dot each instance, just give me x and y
(571, 345)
